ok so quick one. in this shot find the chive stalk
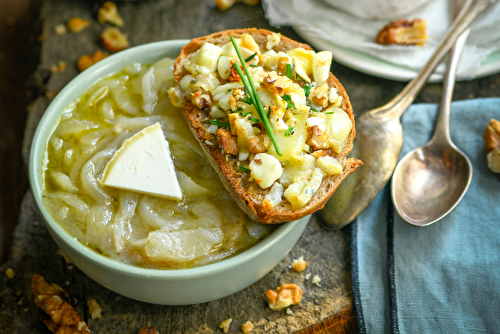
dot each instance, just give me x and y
(252, 92)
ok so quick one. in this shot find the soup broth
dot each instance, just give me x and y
(144, 230)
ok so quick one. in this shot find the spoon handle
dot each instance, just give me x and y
(398, 105)
(442, 129)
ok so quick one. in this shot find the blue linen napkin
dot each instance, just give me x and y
(443, 278)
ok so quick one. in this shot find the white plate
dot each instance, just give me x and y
(368, 64)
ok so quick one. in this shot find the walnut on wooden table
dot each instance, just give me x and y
(50, 298)
(284, 296)
(108, 13)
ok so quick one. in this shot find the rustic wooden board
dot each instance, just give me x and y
(35, 252)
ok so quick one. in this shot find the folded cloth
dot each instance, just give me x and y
(443, 278)
(342, 29)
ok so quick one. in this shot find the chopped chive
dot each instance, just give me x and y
(316, 110)
(289, 102)
(289, 70)
(252, 65)
(250, 57)
(249, 85)
(247, 100)
(307, 90)
(330, 112)
(289, 131)
(239, 109)
(269, 112)
(245, 113)
(243, 168)
(255, 120)
(218, 123)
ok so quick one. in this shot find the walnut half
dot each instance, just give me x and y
(492, 145)
(284, 296)
(403, 32)
(50, 298)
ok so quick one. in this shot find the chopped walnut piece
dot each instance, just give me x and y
(227, 141)
(113, 40)
(94, 309)
(60, 67)
(224, 325)
(403, 32)
(317, 139)
(316, 280)
(226, 4)
(258, 144)
(76, 24)
(109, 13)
(86, 61)
(284, 296)
(492, 145)
(50, 299)
(148, 330)
(60, 29)
(299, 264)
(247, 327)
(9, 273)
(320, 95)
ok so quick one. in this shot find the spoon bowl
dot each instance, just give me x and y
(429, 182)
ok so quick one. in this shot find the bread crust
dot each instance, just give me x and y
(247, 194)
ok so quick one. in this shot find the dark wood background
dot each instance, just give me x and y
(19, 57)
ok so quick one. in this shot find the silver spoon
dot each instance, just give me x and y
(430, 180)
(379, 135)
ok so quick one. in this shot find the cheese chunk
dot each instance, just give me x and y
(143, 164)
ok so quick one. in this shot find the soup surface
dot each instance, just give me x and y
(203, 227)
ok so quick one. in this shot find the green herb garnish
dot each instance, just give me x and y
(250, 58)
(269, 112)
(243, 168)
(289, 71)
(252, 65)
(307, 90)
(289, 131)
(247, 100)
(252, 92)
(329, 113)
(218, 123)
(255, 120)
(289, 102)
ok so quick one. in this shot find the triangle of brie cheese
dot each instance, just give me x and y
(143, 164)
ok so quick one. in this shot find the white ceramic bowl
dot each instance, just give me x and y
(168, 287)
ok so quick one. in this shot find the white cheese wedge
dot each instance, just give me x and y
(143, 164)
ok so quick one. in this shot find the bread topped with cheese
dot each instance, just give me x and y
(306, 107)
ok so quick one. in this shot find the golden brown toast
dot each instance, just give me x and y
(245, 191)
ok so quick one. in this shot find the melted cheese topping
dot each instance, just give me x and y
(305, 114)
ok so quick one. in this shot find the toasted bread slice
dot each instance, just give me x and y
(245, 191)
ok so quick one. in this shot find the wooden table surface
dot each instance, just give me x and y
(25, 58)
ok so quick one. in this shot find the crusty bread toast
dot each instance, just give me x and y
(247, 193)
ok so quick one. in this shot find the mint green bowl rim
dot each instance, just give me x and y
(37, 151)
